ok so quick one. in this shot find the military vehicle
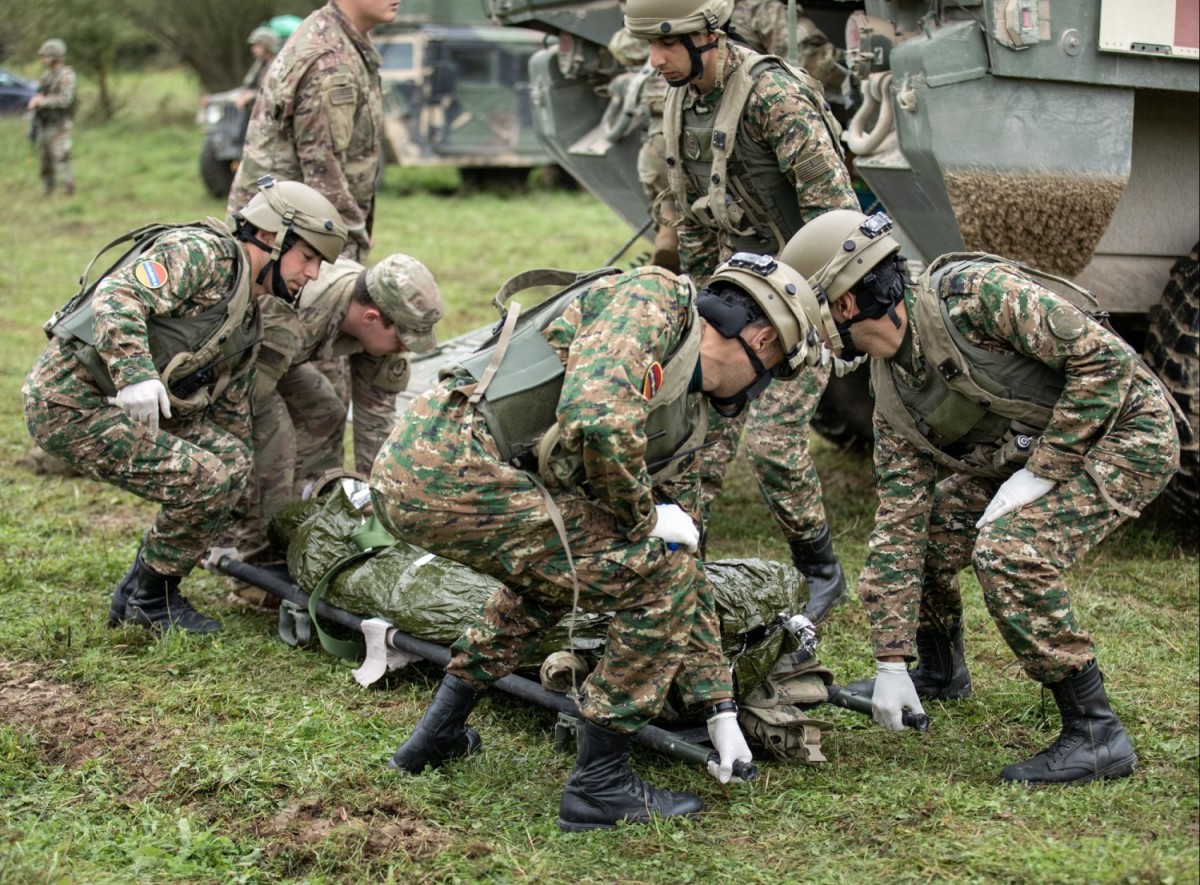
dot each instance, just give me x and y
(1061, 133)
(455, 93)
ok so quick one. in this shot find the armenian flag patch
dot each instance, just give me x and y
(653, 381)
(150, 274)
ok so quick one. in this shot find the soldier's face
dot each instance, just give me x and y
(672, 59)
(374, 12)
(378, 337)
(298, 265)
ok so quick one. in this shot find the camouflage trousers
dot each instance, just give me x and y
(298, 430)
(195, 470)
(439, 483)
(54, 156)
(777, 433)
(1019, 559)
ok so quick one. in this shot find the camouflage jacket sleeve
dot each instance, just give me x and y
(890, 582)
(1000, 310)
(373, 388)
(59, 90)
(780, 116)
(618, 331)
(195, 270)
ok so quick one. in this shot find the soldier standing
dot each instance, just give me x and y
(1054, 433)
(53, 109)
(146, 380)
(752, 155)
(559, 466)
(319, 115)
(375, 317)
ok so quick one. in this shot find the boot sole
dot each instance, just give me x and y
(1119, 769)
(571, 826)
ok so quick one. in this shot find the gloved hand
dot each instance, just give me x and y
(1014, 493)
(730, 744)
(841, 367)
(142, 401)
(674, 526)
(213, 555)
(894, 693)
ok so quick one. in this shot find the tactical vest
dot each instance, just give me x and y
(745, 196)
(197, 356)
(519, 379)
(978, 412)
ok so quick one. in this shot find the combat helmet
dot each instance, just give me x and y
(266, 36)
(783, 296)
(654, 19)
(404, 289)
(292, 209)
(53, 48)
(838, 248)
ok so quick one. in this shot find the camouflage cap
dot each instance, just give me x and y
(406, 292)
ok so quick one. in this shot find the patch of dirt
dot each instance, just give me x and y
(68, 730)
(381, 829)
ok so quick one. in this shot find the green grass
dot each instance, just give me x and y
(237, 759)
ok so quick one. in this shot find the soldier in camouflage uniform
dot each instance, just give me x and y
(319, 115)
(1053, 433)
(594, 512)
(753, 155)
(146, 381)
(375, 317)
(53, 107)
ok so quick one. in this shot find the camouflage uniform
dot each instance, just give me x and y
(782, 119)
(299, 419)
(440, 482)
(763, 24)
(196, 468)
(319, 119)
(1110, 446)
(53, 119)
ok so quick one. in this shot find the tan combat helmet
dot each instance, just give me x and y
(404, 289)
(838, 248)
(266, 37)
(788, 303)
(53, 48)
(655, 19)
(290, 207)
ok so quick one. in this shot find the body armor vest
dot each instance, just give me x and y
(519, 380)
(744, 195)
(195, 356)
(978, 412)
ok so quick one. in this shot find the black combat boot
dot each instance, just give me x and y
(116, 607)
(815, 559)
(941, 673)
(442, 734)
(602, 790)
(154, 602)
(1093, 743)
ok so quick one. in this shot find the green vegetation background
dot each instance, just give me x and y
(238, 759)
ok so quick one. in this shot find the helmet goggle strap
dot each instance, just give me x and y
(694, 53)
(827, 321)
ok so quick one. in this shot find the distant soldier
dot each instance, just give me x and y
(264, 46)
(1013, 433)
(319, 116)
(53, 108)
(752, 155)
(147, 379)
(763, 25)
(376, 317)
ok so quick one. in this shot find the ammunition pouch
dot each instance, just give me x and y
(784, 732)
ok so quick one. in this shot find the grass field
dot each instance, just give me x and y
(238, 759)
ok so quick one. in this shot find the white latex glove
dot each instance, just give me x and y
(894, 693)
(674, 526)
(1014, 493)
(142, 402)
(213, 556)
(730, 744)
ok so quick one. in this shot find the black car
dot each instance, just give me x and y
(15, 92)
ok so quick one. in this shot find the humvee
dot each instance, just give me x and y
(1061, 133)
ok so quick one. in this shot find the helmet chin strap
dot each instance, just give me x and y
(732, 406)
(697, 61)
(282, 244)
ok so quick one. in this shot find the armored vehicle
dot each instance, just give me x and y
(455, 93)
(1060, 133)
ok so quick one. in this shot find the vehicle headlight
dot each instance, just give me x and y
(213, 113)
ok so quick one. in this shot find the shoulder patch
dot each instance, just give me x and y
(150, 274)
(653, 380)
(1065, 322)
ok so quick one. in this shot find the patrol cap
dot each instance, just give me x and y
(655, 19)
(283, 207)
(53, 48)
(406, 292)
(786, 299)
(838, 248)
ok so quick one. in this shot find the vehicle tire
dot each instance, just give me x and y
(1173, 351)
(217, 173)
(495, 179)
(844, 414)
